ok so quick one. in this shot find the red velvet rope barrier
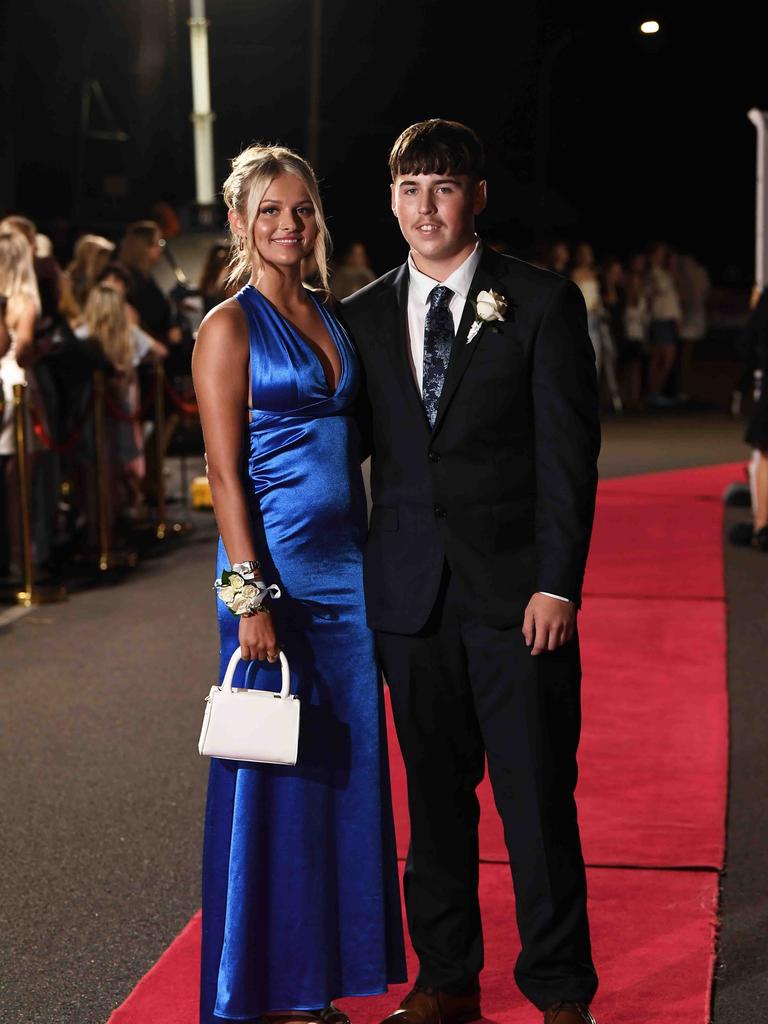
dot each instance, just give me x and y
(62, 447)
(69, 442)
(117, 413)
(191, 408)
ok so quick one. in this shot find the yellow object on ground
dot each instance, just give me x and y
(200, 491)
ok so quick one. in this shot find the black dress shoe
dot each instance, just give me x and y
(569, 1013)
(740, 534)
(425, 1005)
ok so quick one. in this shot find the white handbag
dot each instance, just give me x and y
(251, 725)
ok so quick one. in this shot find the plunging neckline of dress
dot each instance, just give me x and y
(332, 392)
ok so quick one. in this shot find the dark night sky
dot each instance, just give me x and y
(648, 137)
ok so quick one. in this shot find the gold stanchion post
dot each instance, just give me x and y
(32, 594)
(162, 526)
(103, 503)
(163, 529)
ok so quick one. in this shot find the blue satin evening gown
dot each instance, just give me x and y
(300, 894)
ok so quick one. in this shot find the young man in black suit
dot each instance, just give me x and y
(480, 378)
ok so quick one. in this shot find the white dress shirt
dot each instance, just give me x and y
(419, 289)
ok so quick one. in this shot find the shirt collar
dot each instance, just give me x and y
(420, 285)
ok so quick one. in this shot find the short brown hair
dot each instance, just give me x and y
(437, 147)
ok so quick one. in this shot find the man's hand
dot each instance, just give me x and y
(548, 623)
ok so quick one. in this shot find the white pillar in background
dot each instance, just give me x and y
(313, 93)
(202, 116)
(759, 119)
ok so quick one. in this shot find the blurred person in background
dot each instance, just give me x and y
(558, 257)
(5, 344)
(92, 253)
(613, 297)
(583, 274)
(554, 255)
(46, 268)
(754, 344)
(140, 250)
(213, 278)
(352, 273)
(694, 286)
(18, 287)
(664, 325)
(124, 345)
(633, 358)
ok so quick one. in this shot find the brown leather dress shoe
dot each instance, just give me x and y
(569, 1013)
(429, 1006)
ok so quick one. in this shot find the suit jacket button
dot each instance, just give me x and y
(440, 512)
(433, 457)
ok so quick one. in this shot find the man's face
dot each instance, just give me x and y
(436, 212)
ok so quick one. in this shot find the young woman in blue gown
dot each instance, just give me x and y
(300, 892)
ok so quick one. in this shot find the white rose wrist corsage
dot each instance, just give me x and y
(490, 307)
(241, 596)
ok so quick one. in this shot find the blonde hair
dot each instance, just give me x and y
(107, 324)
(17, 271)
(91, 255)
(15, 222)
(253, 171)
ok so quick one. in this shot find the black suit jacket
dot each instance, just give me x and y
(504, 485)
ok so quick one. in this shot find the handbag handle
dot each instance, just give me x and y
(285, 690)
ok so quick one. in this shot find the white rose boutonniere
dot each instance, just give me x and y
(490, 307)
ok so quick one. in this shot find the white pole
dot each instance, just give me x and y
(759, 119)
(313, 112)
(202, 116)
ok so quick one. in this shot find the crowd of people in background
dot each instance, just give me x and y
(104, 310)
(644, 314)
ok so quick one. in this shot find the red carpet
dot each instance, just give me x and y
(655, 537)
(652, 933)
(707, 482)
(652, 786)
(653, 754)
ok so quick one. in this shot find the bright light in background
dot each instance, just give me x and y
(649, 28)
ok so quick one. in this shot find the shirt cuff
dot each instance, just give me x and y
(556, 596)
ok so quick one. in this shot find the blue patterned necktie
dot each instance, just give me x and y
(438, 341)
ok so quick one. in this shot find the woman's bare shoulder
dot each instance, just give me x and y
(225, 324)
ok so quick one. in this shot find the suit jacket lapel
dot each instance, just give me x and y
(462, 352)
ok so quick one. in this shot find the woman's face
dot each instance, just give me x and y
(285, 227)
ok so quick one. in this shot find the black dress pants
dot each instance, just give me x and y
(463, 691)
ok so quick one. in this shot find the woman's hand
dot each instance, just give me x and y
(257, 638)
